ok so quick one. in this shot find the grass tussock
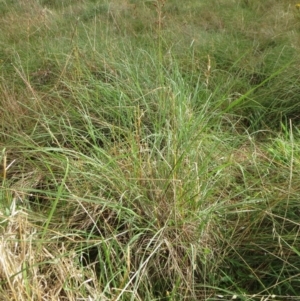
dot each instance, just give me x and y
(149, 150)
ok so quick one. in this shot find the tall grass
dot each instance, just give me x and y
(149, 150)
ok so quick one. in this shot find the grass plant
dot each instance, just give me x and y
(149, 150)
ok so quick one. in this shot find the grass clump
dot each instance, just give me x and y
(149, 151)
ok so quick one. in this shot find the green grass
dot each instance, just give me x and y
(149, 150)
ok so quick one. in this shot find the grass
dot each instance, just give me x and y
(149, 150)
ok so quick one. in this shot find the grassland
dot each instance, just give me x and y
(149, 150)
